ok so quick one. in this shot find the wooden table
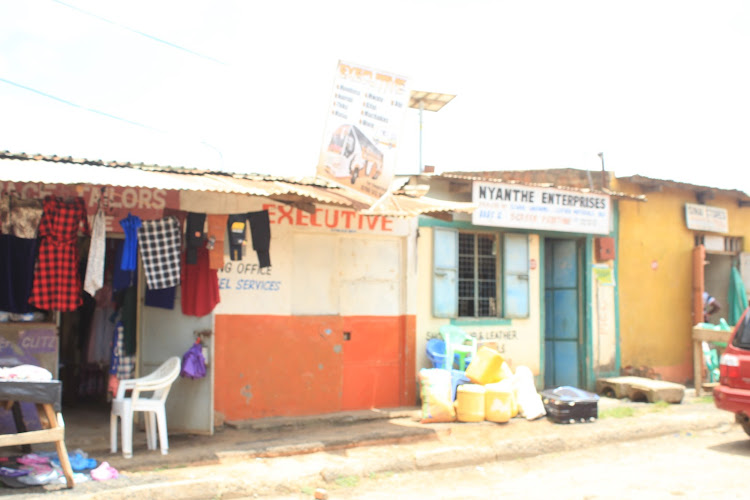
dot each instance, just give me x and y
(704, 335)
(46, 397)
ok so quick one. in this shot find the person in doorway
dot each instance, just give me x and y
(710, 306)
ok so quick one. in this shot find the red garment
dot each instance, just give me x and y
(200, 285)
(57, 282)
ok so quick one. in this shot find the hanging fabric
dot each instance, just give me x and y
(200, 286)
(260, 231)
(217, 230)
(130, 226)
(193, 362)
(57, 282)
(236, 224)
(94, 279)
(195, 237)
(19, 217)
(159, 242)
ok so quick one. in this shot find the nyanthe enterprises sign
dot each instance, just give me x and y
(527, 207)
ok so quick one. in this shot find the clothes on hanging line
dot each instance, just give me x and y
(130, 226)
(94, 279)
(159, 242)
(19, 217)
(57, 283)
(217, 229)
(200, 286)
(260, 232)
(195, 235)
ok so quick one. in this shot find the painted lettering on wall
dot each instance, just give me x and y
(245, 276)
(331, 218)
(500, 340)
(36, 341)
(116, 201)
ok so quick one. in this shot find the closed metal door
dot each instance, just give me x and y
(562, 312)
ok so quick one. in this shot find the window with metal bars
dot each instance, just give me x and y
(477, 275)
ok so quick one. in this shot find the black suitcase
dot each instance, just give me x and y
(570, 405)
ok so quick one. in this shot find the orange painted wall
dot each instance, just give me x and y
(302, 365)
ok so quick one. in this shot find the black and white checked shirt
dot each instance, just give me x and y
(159, 243)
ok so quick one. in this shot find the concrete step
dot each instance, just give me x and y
(641, 389)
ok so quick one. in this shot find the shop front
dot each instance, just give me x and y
(531, 273)
(323, 321)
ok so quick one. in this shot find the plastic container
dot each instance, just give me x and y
(470, 403)
(486, 368)
(498, 402)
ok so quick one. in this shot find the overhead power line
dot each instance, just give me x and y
(138, 32)
(102, 113)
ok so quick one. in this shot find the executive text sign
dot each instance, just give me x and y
(530, 207)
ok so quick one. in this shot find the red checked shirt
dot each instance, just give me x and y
(57, 282)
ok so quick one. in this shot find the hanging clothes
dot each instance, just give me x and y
(159, 242)
(19, 217)
(162, 298)
(17, 259)
(195, 237)
(236, 224)
(121, 279)
(94, 279)
(260, 231)
(737, 297)
(130, 226)
(57, 282)
(200, 286)
(121, 366)
(19, 225)
(217, 230)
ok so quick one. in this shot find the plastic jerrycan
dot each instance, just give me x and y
(499, 402)
(470, 403)
(486, 368)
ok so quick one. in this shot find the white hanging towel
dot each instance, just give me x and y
(94, 279)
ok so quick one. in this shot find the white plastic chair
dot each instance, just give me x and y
(158, 383)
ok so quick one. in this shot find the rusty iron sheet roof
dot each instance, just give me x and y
(20, 167)
(520, 178)
(651, 183)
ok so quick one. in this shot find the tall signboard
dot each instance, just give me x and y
(362, 129)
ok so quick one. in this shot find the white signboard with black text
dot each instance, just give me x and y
(705, 218)
(530, 207)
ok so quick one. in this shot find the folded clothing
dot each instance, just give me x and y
(77, 461)
(104, 472)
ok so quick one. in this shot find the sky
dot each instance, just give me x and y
(661, 88)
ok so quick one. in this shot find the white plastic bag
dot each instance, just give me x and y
(529, 402)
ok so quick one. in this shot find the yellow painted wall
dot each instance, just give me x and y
(655, 277)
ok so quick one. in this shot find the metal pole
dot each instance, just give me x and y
(421, 108)
(601, 155)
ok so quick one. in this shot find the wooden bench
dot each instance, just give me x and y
(46, 397)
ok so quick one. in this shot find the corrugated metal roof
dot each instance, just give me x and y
(21, 167)
(650, 182)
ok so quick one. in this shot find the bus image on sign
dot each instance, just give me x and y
(351, 154)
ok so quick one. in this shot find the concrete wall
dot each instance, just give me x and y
(329, 327)
(655, 252)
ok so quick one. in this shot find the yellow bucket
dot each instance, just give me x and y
(470, 403)
(486, 367)
(498, 402)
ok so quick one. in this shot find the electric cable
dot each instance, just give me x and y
(138, 32)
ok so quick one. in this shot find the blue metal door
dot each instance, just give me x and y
(562, 325)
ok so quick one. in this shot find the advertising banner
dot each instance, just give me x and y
(363, 127)
(549, 209)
